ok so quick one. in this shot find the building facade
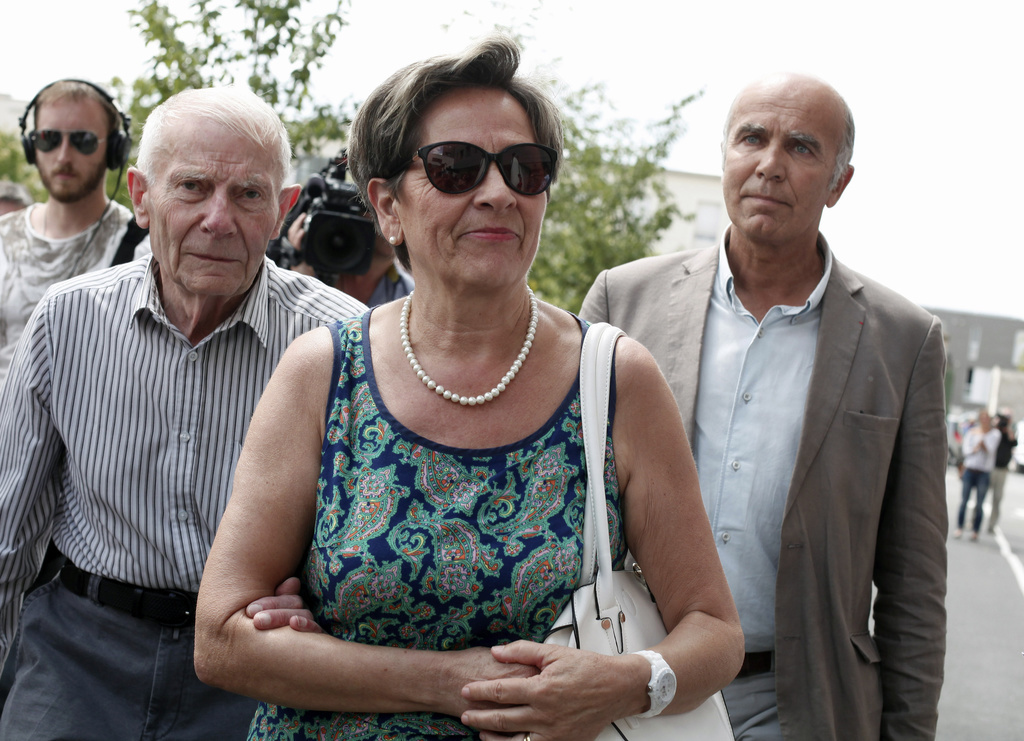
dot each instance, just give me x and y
(985, 362)
(702, 209)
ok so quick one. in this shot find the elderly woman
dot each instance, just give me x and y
(421, 466)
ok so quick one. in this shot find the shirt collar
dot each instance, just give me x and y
(724, 280)
(252, 311)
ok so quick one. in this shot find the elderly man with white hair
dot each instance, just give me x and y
(129, 396)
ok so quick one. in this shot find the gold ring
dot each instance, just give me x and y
(527, 737)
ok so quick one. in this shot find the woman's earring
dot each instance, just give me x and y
(392, 240)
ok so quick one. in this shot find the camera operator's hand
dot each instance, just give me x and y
(297, 231)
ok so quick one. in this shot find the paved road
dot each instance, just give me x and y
(983, 694)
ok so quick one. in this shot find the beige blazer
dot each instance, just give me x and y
(866, 503)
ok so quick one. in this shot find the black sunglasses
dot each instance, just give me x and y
(457, 167)
(47, 140)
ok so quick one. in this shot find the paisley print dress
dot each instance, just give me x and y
(423, 546)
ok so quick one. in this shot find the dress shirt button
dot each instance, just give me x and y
(183, 515)
(726, 537)
(760, 331)
(184, 437)
(193, 356)
(747, 397)
(735, 465)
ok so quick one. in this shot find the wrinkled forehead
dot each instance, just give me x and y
(209, 149)
(789, 105)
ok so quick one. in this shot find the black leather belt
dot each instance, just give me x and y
(168, 607)
(759, 662)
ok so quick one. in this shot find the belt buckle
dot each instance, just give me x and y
(76, 580)
(188, 612)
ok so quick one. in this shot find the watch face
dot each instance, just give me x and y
(666, 686)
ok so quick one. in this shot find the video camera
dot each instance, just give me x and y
(339, 235)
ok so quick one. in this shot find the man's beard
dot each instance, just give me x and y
(75, 190)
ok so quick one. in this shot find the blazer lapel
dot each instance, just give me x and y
(690, 295)
(842, 321)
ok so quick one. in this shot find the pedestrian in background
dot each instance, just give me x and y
(1004, 452)
(78, 132)
(13, 197)
(980, 444)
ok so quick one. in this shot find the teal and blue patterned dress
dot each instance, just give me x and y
(424, 546)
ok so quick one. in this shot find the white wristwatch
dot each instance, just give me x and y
(662, 687)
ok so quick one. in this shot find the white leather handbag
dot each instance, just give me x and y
(612, 612)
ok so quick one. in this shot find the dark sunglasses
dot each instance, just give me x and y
(457, 167)
(47, 140)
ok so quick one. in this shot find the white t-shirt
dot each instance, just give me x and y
(30, 263)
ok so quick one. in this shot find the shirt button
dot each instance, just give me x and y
(192, 356)
(726, 537)
(184, 437)
(747, 397)
(735, 465)
(183, 515)
(760, 331)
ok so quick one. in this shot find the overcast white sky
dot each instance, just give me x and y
(936, 190)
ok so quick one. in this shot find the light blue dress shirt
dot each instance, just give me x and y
(750, 408)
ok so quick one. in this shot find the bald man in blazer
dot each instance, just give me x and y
(814, 400)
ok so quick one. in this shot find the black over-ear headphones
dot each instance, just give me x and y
(119, 143)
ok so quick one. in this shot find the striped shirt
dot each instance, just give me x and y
(119, 439)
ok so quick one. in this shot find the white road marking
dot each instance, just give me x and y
(1011, 558)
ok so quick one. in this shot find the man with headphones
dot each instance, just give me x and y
(78, 133)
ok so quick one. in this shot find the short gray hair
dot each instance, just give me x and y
(384, 132)
(845, 153)
(235, 108)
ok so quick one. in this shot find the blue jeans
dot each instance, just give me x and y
(972, 479)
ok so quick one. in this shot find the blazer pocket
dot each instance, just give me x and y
(870, 422)
(866, 647)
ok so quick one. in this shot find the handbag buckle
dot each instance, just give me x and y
(639, 574)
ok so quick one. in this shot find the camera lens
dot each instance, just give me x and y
(338, 242)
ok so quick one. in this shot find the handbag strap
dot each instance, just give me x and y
(596, 358)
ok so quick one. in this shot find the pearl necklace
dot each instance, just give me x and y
(459, 398)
